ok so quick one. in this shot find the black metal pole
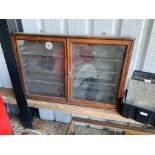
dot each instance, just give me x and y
(6, 27)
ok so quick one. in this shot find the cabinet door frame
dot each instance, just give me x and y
(68, 40)
(125, 66)
(15, 39)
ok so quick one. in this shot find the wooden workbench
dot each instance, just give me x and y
(114, 116)
(9, 97)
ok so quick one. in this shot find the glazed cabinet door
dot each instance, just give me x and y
(96, 69)
(42, 64)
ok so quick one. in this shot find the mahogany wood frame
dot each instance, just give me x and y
(125, 66)
(17, 54)
(68, 40)
(126, 130)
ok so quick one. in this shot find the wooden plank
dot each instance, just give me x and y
(93, 104)
(71, 130)
(112, 37)
(98, 41)
(124, 73)
(126, 129)
(69, 70)
(9, 97)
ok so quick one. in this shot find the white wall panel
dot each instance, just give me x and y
(77, 26)
(132, 28)
(142, 47)
(116, 26)
(47, 114)
(103, 26)
(63, 117)
(32, 25)
(55, 26)
(149, 65)
(4, 74)
(1, 83)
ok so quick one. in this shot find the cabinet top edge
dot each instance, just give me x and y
(108, 37)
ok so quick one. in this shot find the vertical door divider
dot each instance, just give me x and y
(69, 71)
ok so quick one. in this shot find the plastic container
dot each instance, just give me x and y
(138, 114)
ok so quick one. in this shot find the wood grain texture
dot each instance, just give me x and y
(18, 59)
(69, 70)
(126, 63)
(21, 35)
(124, 73)
(68, 40)
(127, 129)
(22, 73)
(71, 130)
(9, 97)
(92, 104)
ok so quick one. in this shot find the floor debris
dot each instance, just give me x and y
(54, 128)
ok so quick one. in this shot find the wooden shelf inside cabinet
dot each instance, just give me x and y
(40, 54)
(43, 82)
(88, 71)
(101, 59)
(101, 72)
(43, 72)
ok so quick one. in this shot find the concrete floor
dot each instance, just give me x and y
(55, 128)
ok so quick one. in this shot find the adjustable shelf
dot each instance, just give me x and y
(100, 72)
(42, 54)
(99, 59)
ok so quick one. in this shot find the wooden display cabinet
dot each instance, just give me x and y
(81, 70)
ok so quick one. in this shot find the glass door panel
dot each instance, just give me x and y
(43, 67)
(96, 71)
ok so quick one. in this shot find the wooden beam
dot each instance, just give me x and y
(71, 130)
(85, 111)
(8, 96)
(124, 128)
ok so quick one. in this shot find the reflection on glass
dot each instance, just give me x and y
(96, 71)
(43, 66)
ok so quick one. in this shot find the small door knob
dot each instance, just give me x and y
(68, 74)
